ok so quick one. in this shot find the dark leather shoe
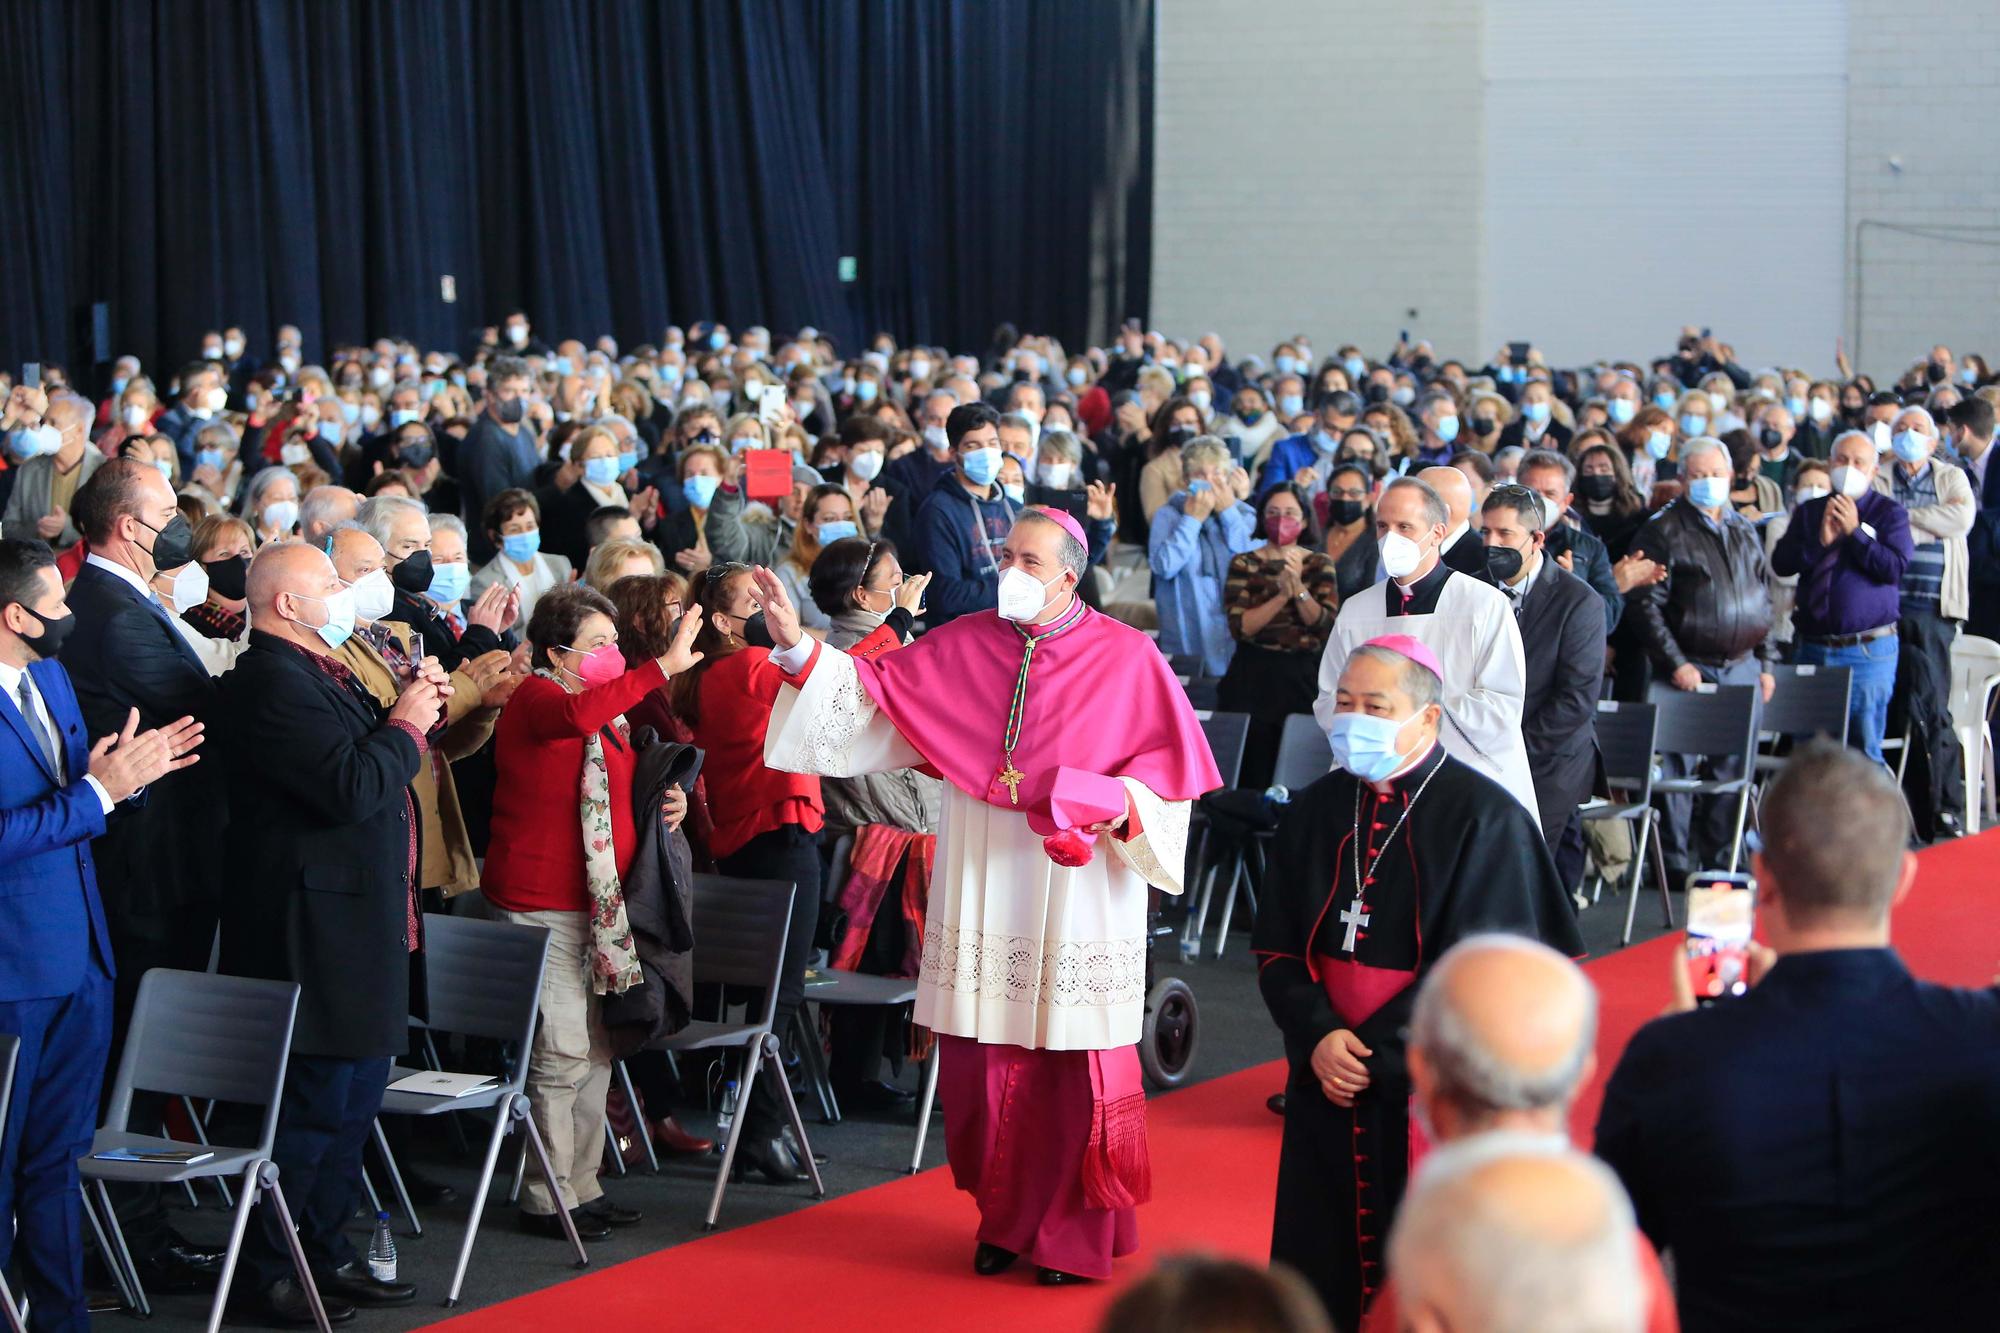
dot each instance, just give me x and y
(792, 1143)
(668, 1136)
(873, 1095)
(1055, 1277)
(990, 1259)
(285, 1305)
(771, 1158)
(180, 1268)
(550, 1227)
(427, 1193)
(1275, 1103)
(355, 1285)
(611, 1214)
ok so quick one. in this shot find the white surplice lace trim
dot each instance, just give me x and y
(1018, 968)
(837, 720)
(1157, 853)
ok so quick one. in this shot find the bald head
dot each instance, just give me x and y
(355, 554)
(287, 588)
(1504, 1236)
(1453, 489)
(323, 509)
(1502, 1034)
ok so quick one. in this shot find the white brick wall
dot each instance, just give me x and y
(1317, 171)
(1924, 87)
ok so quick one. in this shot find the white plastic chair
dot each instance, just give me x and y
(1975, 672)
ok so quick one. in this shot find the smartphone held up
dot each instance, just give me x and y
(1721, 922)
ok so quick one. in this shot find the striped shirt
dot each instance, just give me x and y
(1923, 577)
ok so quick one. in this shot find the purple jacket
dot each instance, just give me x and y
(1855, 584)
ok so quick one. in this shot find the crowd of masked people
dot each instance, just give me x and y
(296, 652)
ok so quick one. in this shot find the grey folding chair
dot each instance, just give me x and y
(10, 1053)
(1625, 741)
(215, 1038)
(1228, 736)
(742, 925)
(1806, 701)
(1303, 759)
(842, 989)
(483, 979)
(1711, 722)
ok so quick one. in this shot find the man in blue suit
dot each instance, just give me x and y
(1818, 1153)
(55, 953)
(1969, 430)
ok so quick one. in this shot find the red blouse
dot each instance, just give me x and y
(746, 798)
(534, 862)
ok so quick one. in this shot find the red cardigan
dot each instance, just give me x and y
(534, 862)
(746, 798)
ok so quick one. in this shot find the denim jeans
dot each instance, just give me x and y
(1873, 665)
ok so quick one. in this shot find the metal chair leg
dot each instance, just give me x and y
(396, 1178)
(613, 1150)
(1637, 874)
(14, 1324)
(749, 1081)
(123, 1253)
(924, 1102)
(813, 1059)
(520, 1173)
(1660, 869)
(541, 1151)
(201, 1137)
(638, 1114)
(792, 1109)
(501, 1120)
(1229, 902)
(1742, 813)
(126, 1293)
(267, 1179)
(238, 1225)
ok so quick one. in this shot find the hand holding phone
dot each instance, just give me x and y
(1721, 924)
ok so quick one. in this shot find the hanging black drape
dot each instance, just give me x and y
(609, 165)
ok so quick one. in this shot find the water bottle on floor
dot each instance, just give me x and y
(725, 1114)
(382, 1251)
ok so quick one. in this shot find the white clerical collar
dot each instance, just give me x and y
(1520, 590)
(138, 584)
(1387, 785)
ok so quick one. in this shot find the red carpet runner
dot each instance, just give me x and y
(898, 1256)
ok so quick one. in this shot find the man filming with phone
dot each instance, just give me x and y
(1818, 1152)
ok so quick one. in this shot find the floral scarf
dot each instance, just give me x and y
(614, 959)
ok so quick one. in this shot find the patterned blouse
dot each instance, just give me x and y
(1253, 580)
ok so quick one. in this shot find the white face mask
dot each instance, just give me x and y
(293, 454)
(1851, 482)
(1400, 556)
(1822, 410)
(279, 515)
(218, 399)
(935, 437)
(1718, 400)
(1023, 597)
(232, 348)
(1811, 493)
(135, 416)
(374, 595)
(1055, 476)
(866, 465)
(190, 587)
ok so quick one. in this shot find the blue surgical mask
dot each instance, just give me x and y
(350, 412)
(602, 471)
(1708, 492)
(829, 533)
(981, 466)
(450, 583)
(1018, 494)
(1536, 412)
(1658, 443)
(561, 365)
(1797, 407)
(520, 547)
(1447, 429)
(1621, 411)
(627, 460)
(700, 490)
(1288, 365)
(1324, 442)
(339, 617)
(330, 431)
(1664, 401)
(1292, 404)
(865, 390)
(1076, 375)
(166, 469)
(1365, 745)
(209, 458)
(118, 384)
(1910, 446)
(1355, 367)
(405, 416)
(1692, 425)
(716, 341)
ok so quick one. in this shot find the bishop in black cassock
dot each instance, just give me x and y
(1370, 881)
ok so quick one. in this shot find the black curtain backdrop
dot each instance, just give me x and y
(609, 165)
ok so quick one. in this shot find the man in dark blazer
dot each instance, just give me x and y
(322, 894)
(1553, 477)
(1562, 634)
(161, 859)
(1462, 550)
(1970, 426)
(55, 954)
(1818, 1153)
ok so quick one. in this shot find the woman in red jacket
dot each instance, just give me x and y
(563, 836)
(765, 823)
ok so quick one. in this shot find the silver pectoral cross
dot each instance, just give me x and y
(1355, 919)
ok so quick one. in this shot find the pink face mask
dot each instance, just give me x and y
(599, 666)
(1285, 531)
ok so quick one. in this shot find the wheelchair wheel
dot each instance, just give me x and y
(1171, 1032)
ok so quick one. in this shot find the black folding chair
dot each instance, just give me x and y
(1806, 701)
(1303, 758)
(1710, 722)
(1625, 735)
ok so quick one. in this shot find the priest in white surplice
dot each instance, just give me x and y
(1468, 623)
(1071, 758)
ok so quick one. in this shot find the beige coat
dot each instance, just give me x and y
(1947, 522)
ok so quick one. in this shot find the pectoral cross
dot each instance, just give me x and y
(1013, 778)
(1355, 919)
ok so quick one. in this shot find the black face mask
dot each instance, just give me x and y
(1934, 372)
(1772, 439)
(227, 576)
(1482, 425)
(1503, 562)
(1555, 541)
(414, 574)
(1180, 435)
(1596, 486)
(512, 410)
(415, 454)
(1344, 512)
(1378, 393)
(173, 545)
(53, 633)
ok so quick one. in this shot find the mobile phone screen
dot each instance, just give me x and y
(1722, 918)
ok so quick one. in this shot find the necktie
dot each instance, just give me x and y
(33, 718)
